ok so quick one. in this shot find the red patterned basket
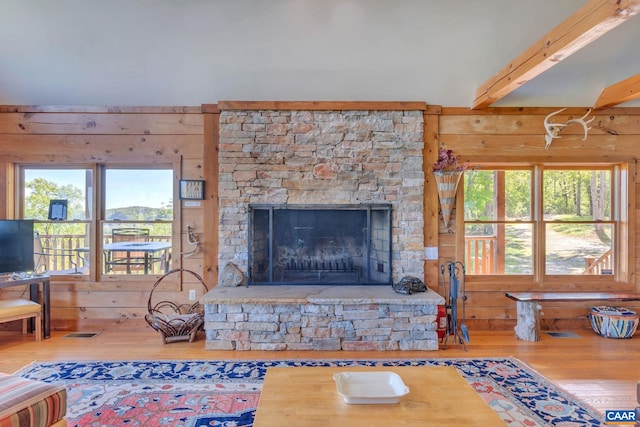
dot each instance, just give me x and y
(613, 322)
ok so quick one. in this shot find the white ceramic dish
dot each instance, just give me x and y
(370, 387)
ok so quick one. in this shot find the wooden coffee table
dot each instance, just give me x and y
(438, 396)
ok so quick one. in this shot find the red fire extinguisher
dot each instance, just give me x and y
(441, 321)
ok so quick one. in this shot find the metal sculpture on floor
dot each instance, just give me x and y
(456, 290)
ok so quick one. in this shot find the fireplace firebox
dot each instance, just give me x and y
(319, 244)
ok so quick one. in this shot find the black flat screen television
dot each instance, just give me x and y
(16, 245)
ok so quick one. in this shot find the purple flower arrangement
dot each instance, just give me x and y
(447, 162)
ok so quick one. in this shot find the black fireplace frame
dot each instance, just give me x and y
(367, 208)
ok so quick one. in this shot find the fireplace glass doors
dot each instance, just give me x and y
(320, 244)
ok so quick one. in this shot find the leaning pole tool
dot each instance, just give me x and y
(463, 289)
(454, 291)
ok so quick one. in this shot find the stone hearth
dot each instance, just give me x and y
(319, 318)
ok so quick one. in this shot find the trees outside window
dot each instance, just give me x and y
(542, 220)
(58, 242)
(579, 232)
(129, 197)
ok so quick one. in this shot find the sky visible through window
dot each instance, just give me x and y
(126, 187)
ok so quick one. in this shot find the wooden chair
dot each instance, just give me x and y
(22, 309)
(42, 257)
(127, 260)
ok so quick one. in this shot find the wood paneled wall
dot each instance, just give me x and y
(189, 135)
(517, 135)
(120, 135)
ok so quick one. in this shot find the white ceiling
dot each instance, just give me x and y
(190, 52)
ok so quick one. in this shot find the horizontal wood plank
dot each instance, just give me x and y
(591, 283)
(603, 124)
(573, 296)
(99, 148)
(321, 105)
(168, 109)
(502, 148)
(534, 111)
(101, 124)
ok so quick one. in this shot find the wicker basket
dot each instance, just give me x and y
(175, 322)
(613, 322)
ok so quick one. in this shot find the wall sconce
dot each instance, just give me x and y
(57, 210)
(191, 189)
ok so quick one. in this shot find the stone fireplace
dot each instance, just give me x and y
(292, 158)
(320, 244)
(322, 157)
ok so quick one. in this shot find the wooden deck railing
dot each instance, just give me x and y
(480, 254)
(600, 265)
(62, 255)
(480, 257)
(59, 252)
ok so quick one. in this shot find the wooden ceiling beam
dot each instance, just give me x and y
(619, 93)
(586, 25)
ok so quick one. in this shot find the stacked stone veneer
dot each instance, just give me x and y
(237, 320)
(323, 157)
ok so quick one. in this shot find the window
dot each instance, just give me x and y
(577, 221)
(59, 243)
(138, 215)
(543, 220)
(134, 223)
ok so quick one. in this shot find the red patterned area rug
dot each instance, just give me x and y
(198, 393)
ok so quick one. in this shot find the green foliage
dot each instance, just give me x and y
(518, 194)
(568, 196)
(478, 195)
(582, 193)
(40, 191)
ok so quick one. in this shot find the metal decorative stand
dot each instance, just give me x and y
(456, 290)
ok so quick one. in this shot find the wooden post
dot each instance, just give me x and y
(528, 326)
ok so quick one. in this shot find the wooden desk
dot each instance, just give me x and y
(307, 397)
(34, 295)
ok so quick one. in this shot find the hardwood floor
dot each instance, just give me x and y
(601, 372)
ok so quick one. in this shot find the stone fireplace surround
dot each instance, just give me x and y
(315, 157)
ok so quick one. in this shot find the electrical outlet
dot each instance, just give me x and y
(192, 295)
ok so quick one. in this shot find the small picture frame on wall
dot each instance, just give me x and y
(191, 189)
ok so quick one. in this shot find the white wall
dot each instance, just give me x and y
(188, 52)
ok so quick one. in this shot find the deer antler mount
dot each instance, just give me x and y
(554, 128)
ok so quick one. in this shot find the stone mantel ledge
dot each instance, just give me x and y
(316, 294)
